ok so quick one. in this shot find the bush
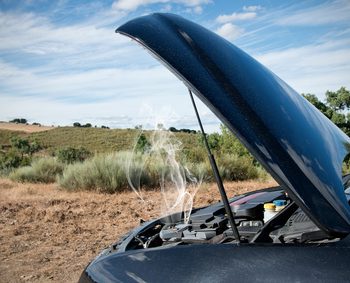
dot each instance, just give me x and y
(71, 154)
(202, 171)
(43, 170)
(194, 155)
(142, 144)
(111, 173)
(13, 159)
(235, 168)
(105, 173)
(24, 146)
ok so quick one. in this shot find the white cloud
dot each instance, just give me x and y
(252, 8)
(97, 84)
(112, 97)
(167, 8)
(131, 5)
(70, 75)
(235, 17)
(312, 68)
(36, 34)
(229, 31)
(198, 9)
(325, 13)
(64, 49)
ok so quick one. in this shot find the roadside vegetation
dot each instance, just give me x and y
(129, 158)
(83, 157)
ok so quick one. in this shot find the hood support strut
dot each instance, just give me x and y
(217, 175)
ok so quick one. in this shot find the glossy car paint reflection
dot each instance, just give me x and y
(227, 263)
(300, 147)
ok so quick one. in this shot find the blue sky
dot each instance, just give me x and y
(61, 61)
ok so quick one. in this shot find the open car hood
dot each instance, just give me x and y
(295, 143)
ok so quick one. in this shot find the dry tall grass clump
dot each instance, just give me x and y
(113, 172)
(104, 173)
(238, 168)
(42, 170)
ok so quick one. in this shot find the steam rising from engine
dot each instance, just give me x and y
(177, 185)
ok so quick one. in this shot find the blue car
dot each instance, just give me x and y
(296, 232)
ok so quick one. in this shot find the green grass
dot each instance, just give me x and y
(95, 140)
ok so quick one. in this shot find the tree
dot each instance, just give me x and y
(335, 107)
(142, 144)
(230, 144)
(20, 153)
(71, 154)
(76, 124)
(317, 103)
(338, 100)
(19, 121)
(214, 141)
(24, 146)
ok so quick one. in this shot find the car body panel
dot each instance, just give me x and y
(230, 262)
(296, 144)
(227, 263)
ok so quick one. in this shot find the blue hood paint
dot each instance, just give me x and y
(296, 144)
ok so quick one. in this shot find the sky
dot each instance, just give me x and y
(62, 62)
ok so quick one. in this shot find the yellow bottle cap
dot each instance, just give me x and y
(269, 206)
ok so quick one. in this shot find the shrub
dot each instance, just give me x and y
(113, 172)
(105, 173)
(142, 144)
(200, 171)
(13, 159)
(235, 168)
(71, 154)
(194, 155)
(43, 170)
(110, 173)
(24, 146)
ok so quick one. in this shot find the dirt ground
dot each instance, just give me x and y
(24, 127)
(50, 235)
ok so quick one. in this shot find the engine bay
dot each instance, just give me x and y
(209, 225)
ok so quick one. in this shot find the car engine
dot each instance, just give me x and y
(209, 225)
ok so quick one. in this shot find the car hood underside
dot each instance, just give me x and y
(295, 143)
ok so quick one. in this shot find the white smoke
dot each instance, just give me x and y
(177, 185)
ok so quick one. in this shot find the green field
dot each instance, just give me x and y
(96, 140)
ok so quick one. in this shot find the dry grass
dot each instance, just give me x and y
(24, 127)
(49, 235)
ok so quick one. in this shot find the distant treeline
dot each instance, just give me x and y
(174, 130)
